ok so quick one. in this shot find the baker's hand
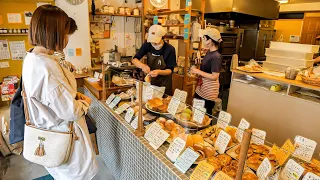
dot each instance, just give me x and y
(146, 69)
(83, 97)
(154, 73)
(194, 70)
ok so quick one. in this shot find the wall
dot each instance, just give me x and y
(80, 39)
(287, 27)
(300, 7)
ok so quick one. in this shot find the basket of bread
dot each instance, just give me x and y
(185, 119)
(160, 105)
(174, 130)
(311, 76)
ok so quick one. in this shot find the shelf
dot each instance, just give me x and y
(99, 38)
(98, 22)
(21, 34)
(174, 25)
(194, 12)
(121, 15)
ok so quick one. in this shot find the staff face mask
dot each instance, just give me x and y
(158, 46)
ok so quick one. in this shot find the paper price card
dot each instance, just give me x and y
(258, 136)
(175, 149)
(284, 152)
(159, 139)
(152, 131)
(203, 171)
(311, 176)
(223, 120)
(198, 114)
(264, 169)
(180, 95)
(134, 123)
(110, 98)
(115, 102)
(187, 158)
(304, 148)
(291, 171)
(173, 106)
(198, 103)
(221, 176)
(129, 115)
(222, 142)
(123, 107)
(244, 124)
(149, 92)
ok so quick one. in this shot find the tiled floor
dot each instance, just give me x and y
(17, 168)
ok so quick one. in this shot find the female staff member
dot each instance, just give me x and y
(161, 58)
(208, 82)
(52, 90)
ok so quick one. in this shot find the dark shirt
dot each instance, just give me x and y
(211, 62)
(167, 51)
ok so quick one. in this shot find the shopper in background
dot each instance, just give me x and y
(208, 74)
(161, 58)
(51, 91)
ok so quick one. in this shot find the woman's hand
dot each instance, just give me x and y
(154, 73)
(83, 97)
(146, 69)
(194, 70)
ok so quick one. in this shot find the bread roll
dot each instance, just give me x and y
(169, 125)
(147, 78)
(198, 146)
(189, 142)
(209, 151)
(197, 139)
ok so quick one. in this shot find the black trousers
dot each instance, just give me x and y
(209, 105)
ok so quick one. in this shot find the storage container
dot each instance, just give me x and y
(276, 67)
(289, 54)
(294, 47)
(295, 63)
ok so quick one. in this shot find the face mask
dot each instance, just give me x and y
(157, 47)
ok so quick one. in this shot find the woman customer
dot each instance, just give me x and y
(208, 74)
(51, 91)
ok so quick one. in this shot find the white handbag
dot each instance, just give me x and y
(45, 147)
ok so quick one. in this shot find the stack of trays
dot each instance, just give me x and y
(282, 55)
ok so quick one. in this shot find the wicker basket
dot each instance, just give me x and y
(311, 81)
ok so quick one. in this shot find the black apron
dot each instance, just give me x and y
(157, 62)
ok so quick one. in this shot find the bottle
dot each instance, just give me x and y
(5, 30)
(1, 30)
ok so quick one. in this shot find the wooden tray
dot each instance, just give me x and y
(248, 71)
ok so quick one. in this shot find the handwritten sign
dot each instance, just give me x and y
(110, 98)
(198, 103)
(115, 102)
(129, 115)
(175, 149)
(152, 131)
(222, 142)
(221, 176)
(304, 148)
(180, 95)
(258, 136)
(264, 169)
(149, 92)
(159, 139)
(187, 158)
(284, 152)
(134, 123)
(243, 125)
(291, 171)
(223, 120)
(173, 106)
(123, 107)
(198, 114)
(311, 176)
(203, 171)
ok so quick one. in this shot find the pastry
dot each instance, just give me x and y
(225, 160)
(212, 137)
(147, 78)
(215, 163)
(169, 125)
(198, 146)
(253, 160)
(161, 120)
(197, 139)
(189, 142)
(249, 176)
(209, 151)
(202, 155)
(230, 171)
(136, 109)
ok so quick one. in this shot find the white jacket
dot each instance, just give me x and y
(51, 91)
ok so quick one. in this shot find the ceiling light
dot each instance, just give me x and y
(283, 1)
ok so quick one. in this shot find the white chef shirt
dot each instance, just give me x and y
(51, 91)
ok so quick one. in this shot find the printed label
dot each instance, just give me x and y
(187, 158)
(223, 120)
(175, 149)
(115, 102)
(291, 171)
(111, 97)
(264, 169)
(222, 142)
(129, 115)
(244, 124)
(258, 136)
(122, 108)
(198, 114)
(304, 148)
(203, 171)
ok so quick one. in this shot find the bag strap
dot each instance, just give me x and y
(26, 111)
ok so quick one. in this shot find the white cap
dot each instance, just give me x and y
(213, 34)
(156, 32)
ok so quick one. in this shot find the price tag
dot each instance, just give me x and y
(187, 158)
(223, 120)
(134, 123)
(149, 92)
(175, 149)
(198, 103)
(180, 95)
(173, 106)
(129, 115)
(258, 137)
(284, 152)
(159, 139)
(244, 124)
(115, 102)
(155, 19)
(304, 148)
(203, 171)
(123, 107)
(311, 176)
(264, 169)
(198, 114)
(221, 176)
(110, 98)
(152, 131)
(291, 171)
(222, 142)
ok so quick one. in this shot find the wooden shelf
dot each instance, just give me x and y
(174, 25)
(194, 12)
(98, 22)
(99, 38)
(121, 15)
(21, 34)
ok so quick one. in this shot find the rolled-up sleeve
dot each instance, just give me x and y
(63, 103)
